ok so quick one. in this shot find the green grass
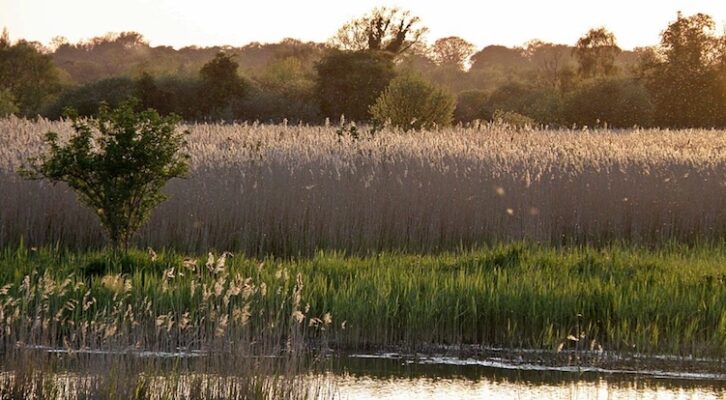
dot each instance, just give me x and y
(671, 300)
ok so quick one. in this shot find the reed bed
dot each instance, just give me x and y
(275, 189)
(620, 299)
(171, 328)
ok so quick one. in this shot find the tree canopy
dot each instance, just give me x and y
(383, 29)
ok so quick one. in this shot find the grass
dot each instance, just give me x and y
(290, 190)
(620, 298)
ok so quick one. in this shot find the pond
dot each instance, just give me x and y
(389, 376)
(491, 374)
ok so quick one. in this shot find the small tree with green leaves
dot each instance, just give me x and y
(117, 163)
(410, 102)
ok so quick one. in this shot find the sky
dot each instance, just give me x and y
(180, 23)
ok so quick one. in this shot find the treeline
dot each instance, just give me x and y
(681, 82)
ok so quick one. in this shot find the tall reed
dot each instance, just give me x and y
(294, 189)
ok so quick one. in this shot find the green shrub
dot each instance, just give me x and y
(117, 164)
(410, 102)
(512, 119)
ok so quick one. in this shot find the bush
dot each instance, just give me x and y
(472, 105)
(7, 103)
(348, 83)
(542, 105)
(512, 119)
(620, 103)
(117, 164)
(87, 99)
(412, 103)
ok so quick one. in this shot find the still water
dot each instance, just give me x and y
(386, 377)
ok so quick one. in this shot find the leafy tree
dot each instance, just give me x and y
(410, 102)
(348, 83)
(453, 51)
(28, 74)
(7, 103)
(472, 105)
(87, 99)
(552, 63)
(149, 94)
(220, 86)
(543, 104)
(495, 56)
(683, 74)
(620, 103)
(384, 29)
(596, 53)
(117, 164)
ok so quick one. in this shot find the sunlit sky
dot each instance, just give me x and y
(216, 22)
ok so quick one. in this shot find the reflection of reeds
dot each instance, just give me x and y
(292, 190)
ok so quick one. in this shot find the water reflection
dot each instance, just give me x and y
(387, 378)
(358, 387)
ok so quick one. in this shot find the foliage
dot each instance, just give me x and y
(452, 50)
(512, 119)
(150, 95)
(596, 52)
(220, 87)
(348, 83)
(472, 105)
(552, 62)
(410, 102)
(87, 99)
(391, 30)
(618, 103)
(117, 163)
(683, 76)
(7, 103)
(542, 104)
(27, 74)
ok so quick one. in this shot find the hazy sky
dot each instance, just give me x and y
(211, 22)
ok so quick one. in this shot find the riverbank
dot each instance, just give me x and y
(620, 299)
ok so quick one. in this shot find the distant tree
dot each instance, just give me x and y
(620, 103)
(472, 105)
(7, 103)
(410, 102)
(683, 74)
(117, 163)
(453, 51)
(87, 99)
(543, 104)
(552, 62)
(498, 56)
(28, 74)
(348, 83)
(384, 29)
(149, 95)
(220, 86)
(596, 52)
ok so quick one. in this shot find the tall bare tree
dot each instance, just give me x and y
(383, 29)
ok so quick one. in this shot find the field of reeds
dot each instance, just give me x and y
(290, 190)
(619, 299)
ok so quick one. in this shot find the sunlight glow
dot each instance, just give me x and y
(216, 22)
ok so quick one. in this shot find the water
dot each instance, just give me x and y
(499, 375)
(387, 376)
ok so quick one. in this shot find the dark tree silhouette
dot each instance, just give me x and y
(596, 52)
(384, 29)
(350, 82)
